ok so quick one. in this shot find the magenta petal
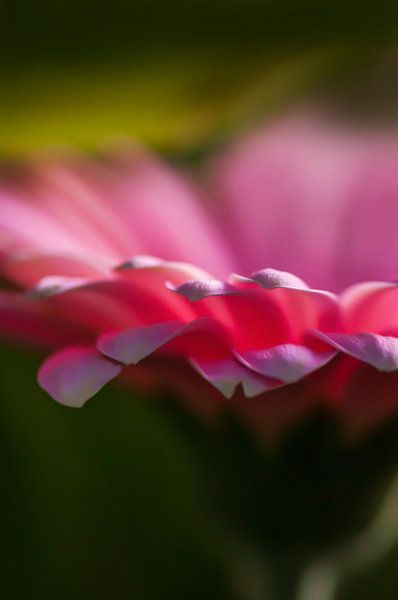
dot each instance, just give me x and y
(167, 215)
(140, 261)
(132, 345)
(55, 284)
(287, 362)
(370, 306)
(377, 350)
(272, 278)
(145, 261)
(199, 288)
(73, 375)
(227, 374)
(27, 268)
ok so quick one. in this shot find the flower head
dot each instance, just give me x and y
(276, 279)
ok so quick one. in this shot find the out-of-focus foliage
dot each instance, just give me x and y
(100, 503)
(115, 501)
(174, 74)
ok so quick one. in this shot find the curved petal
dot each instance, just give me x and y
(259, 318)
(27, 269)
(73, 375)
(199, 289)
(54, 285)
(183, 271)
(287, 362)
(376, 350)
(371, 306)
(129, 300)
(226, 375)
(271, 279)
(132, 345)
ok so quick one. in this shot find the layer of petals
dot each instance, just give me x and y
(259, 318)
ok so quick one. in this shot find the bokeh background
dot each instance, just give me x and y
(109, 501)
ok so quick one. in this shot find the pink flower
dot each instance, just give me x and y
(275, 284)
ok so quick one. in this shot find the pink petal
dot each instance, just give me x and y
(226, 375)
(201, 339)
(296, 191)
(371, 211)
(28, 269)
(258, 318)
(183, 271)
(287, 362)
(172, 216)
(119, 302)
(271, 279)
(68, 191)
(371, 307)
(252, 318)
(379, 351)
(74, 375)
(53, 285)
(132, 345)
(28, 226)
(283, 192)
(199, 289)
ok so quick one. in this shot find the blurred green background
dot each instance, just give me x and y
(108, 502)
(180, 73)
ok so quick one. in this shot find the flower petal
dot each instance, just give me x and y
(226, 375)
(370, 306)
(287, 362)
(27, 269)
(259, 318)
(199, 289)
(74, 375)
(283, 191)
(299, 188)
(52, 285)
(182, 270)
(132, 345)
(114, 303)
(272, 278)
(377, 350)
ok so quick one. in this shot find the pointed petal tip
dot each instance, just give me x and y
(273, 278)
(133, 345)
(377, 350)
(287, 363)
(53, 285)
(199, 289)
(142, 261)
(73, 375)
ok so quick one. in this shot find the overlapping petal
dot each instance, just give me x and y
(119, 265)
